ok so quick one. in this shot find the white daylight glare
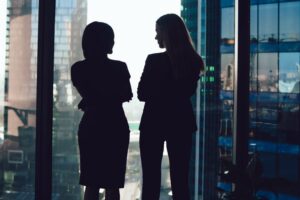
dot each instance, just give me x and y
(133, 22)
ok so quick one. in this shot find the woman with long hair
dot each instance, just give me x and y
(103, 133)
(167, 83)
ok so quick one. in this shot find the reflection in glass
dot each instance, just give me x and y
(274, 108)
(227, 24)
(70, 20)
(267, 72)
(227, 71)
(289, 21)
(18, 100)
(289, 72)
(253, 72)
(268, 23)
(225, 133)
(274, 140)
(253, 23)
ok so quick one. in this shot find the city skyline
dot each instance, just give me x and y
(274, 94)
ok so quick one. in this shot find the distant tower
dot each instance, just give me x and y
(189, 13)
(21, 63)
(228, 82)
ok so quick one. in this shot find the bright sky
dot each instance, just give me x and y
(133, 22)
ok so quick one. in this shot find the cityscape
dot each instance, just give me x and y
(274, 101)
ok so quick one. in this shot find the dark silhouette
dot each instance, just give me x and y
(103, 134)
(168, 81)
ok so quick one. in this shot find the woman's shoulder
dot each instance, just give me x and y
(157, 55)
(119, 66)
(77, 65)
(116, 62)
(157, 59)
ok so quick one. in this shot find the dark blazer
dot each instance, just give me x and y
(103, 132)
(167, 101)
(103, 85)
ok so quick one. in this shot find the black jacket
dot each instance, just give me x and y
(167, 101)
(103, 85)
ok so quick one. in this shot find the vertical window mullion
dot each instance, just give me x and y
(44, 99)
(241, 87)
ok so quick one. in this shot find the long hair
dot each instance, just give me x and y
(97, 40)
(179, 46)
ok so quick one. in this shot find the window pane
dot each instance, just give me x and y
(225, 126)
(227, 71)
(70, 20)
(274, 108)
(268, 72)
(274, 127)
(268, 22)
(289, 75)
(227, 24)
(132, 45)
(18, 78)
(289, 21)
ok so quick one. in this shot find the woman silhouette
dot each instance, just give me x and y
(103, 134)
(168, 81)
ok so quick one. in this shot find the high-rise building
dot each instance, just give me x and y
(21, 62)
(204, 26)
(189, 14)
(17, 169)
(274, 99)
(17, 172)
(274, 94)
(70, 21)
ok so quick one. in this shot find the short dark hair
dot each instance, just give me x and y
(98, 38)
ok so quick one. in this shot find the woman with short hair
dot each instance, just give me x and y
(103, 134)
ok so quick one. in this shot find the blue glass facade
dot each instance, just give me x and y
(274, 95)
(274, 91)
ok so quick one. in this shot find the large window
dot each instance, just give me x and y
(274, 96)
(132, 45)
(70, 21)
(273, 99)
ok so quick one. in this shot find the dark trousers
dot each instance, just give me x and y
(179, 151)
